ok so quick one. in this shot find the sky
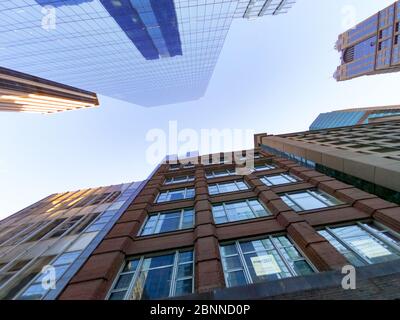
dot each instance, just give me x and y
(274, 75)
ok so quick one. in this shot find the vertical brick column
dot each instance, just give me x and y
(209, 273)
(321, 253)
(94, 279)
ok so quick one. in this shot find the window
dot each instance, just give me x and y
(240, 210)
(66, 227)
(168, 221)
(280, 179)
(364, 243)
(155, 277)
(262, 167)
(173, 167)
(309, 200)
(272, 258)
(101, 221)
(174, 195)
(36, 290)
(179, 179)
(220, 173)
(218, 188)
(188, 166)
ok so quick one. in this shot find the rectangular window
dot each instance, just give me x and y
(272, 258)
(263, 167)
(180, 179)
(173, 167)
(233, 186)
(35, 290)
(188, 166)
(174, 195)
(155, 277)
(309, 200)
(220, 173)
(363, 243)
(168, 221)
(280, 179)
(238, 210)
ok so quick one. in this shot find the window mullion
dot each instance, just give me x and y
(129, 292)
(226, 212)
(156, 224)
(346, 245)
(379, 237)
(247, 274)
(251, 208)
(181, 219)
(291, 199)
(287, 264)
(174, 274)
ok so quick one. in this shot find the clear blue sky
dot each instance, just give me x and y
(274, 75)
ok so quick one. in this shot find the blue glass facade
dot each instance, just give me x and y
(148, 52)
(336, 119)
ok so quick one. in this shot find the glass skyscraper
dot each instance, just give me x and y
(371, 47)
(351, 117)
(61, 230)
(148, 52)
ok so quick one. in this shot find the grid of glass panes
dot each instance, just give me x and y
(279, 179)
(36, 290)
(232, 186)
(22, 271)
(272, 258)
(364, 243)
(174, 195)
(155, 277)
(202, 25)
(309, 200)
(263, 167)
(220, 173)
(238, 210)
(179, 179)
(168, 221)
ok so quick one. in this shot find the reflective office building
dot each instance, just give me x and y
(350, 117)
(148, 52)
(21, 92)
(371, 47)
(59, 232)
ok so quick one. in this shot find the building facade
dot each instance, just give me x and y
(372, 47)
(200, 230)
(20, 92)
(148, 52)
(59, 231)
(351, 117)
(367, 156)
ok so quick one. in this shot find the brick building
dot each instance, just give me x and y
(200, 231)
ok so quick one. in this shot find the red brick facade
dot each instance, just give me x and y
(95, 278)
